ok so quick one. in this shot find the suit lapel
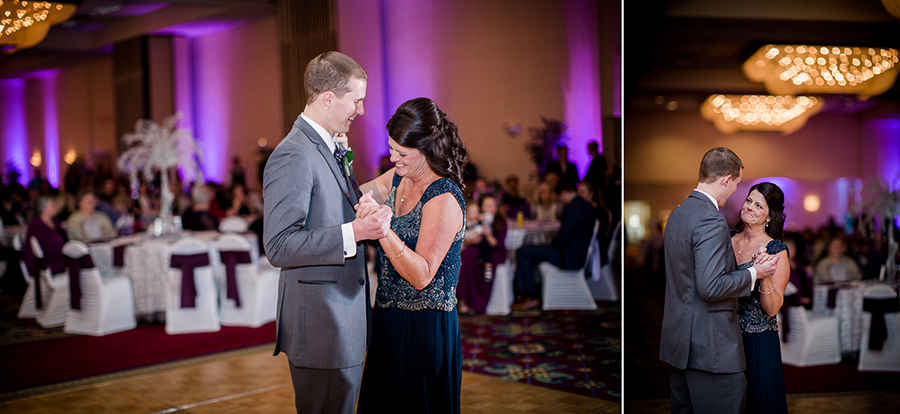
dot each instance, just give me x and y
(316, 139)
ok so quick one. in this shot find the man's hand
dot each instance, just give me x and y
(374, 225)
(765, 265)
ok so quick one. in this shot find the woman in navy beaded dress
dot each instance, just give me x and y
(760, 228)
(414, 362)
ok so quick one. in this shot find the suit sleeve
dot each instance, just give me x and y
(288, 187)
(715, 281)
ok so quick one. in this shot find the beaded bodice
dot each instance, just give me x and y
(753, 318)
(396, 292)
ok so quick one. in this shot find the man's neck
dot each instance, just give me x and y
(710, 188)
(314, 114)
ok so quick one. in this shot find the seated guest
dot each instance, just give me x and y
(240, 203)
(567, 251)
(48, 231)
(546, 207)
(123, 206)
(837, 266)
(198, 217)
(485, 251)
(87, 223)
(512, 201)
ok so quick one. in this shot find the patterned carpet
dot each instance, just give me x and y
(571, 351)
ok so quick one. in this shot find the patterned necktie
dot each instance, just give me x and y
(340, 162)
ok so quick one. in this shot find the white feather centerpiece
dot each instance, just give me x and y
(159, 148)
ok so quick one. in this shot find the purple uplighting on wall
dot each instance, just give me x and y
(12, 127)
(582, 86)
(889, 149)
(51, 129)
(212, 102)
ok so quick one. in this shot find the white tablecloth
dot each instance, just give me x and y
(848, 309)
(531, 232)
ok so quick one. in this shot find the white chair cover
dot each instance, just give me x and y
(501, 299)
(568, 289)
(813, 340)
(107, 301)
(888, 357)
(28, 308)
(257, 290)
(233, 224)
(204, 316)
(54, 293)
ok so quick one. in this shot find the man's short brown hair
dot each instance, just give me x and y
(719, 162)
(331, 71)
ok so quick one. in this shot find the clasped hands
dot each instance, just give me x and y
(373, 221)
(764, 263)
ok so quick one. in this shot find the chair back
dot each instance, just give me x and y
(17, 242)
(790, 289)
(232, 242)
(233, 224)
(879, 291)
(592, 260)
(36, 248)
(75, 249)
(189, 246)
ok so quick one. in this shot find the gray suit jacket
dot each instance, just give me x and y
(321, 319)
(701, 328)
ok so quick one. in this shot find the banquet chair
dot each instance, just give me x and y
(248, 295)
(28, 308)
(878, 355)
(233, 224)
(54, 293)
(501, 299)
(813, 339)
(191, 294)
(106, 302)
(602, 281)
(568, 289)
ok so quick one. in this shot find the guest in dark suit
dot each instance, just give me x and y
(701, 332)
(567, 170)
(567, 251)
(311, 232)
(596, 172)
(198, 217)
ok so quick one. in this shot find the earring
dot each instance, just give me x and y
(767, 224)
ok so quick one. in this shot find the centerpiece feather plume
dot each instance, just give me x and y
(158, 148)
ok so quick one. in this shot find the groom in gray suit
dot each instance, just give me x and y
(701, 333)
(311, 232)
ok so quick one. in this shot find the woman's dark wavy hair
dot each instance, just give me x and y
(421, 125)
(775, 199)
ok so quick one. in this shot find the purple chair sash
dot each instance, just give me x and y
(878, 329)
(231, 259)
(75, 266)
(832, 296)
(187, 264)
(119, 255)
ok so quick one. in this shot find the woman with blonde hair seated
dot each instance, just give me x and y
(87, 223)
(546, 206)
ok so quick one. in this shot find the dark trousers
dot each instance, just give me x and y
(703, 392)
(527, 260)
(326, 391)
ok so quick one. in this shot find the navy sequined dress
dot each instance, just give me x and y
(414, 362)
(762, 350)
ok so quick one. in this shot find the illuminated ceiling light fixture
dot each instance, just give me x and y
(732, 113)
(797, 69)
(24, 24)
